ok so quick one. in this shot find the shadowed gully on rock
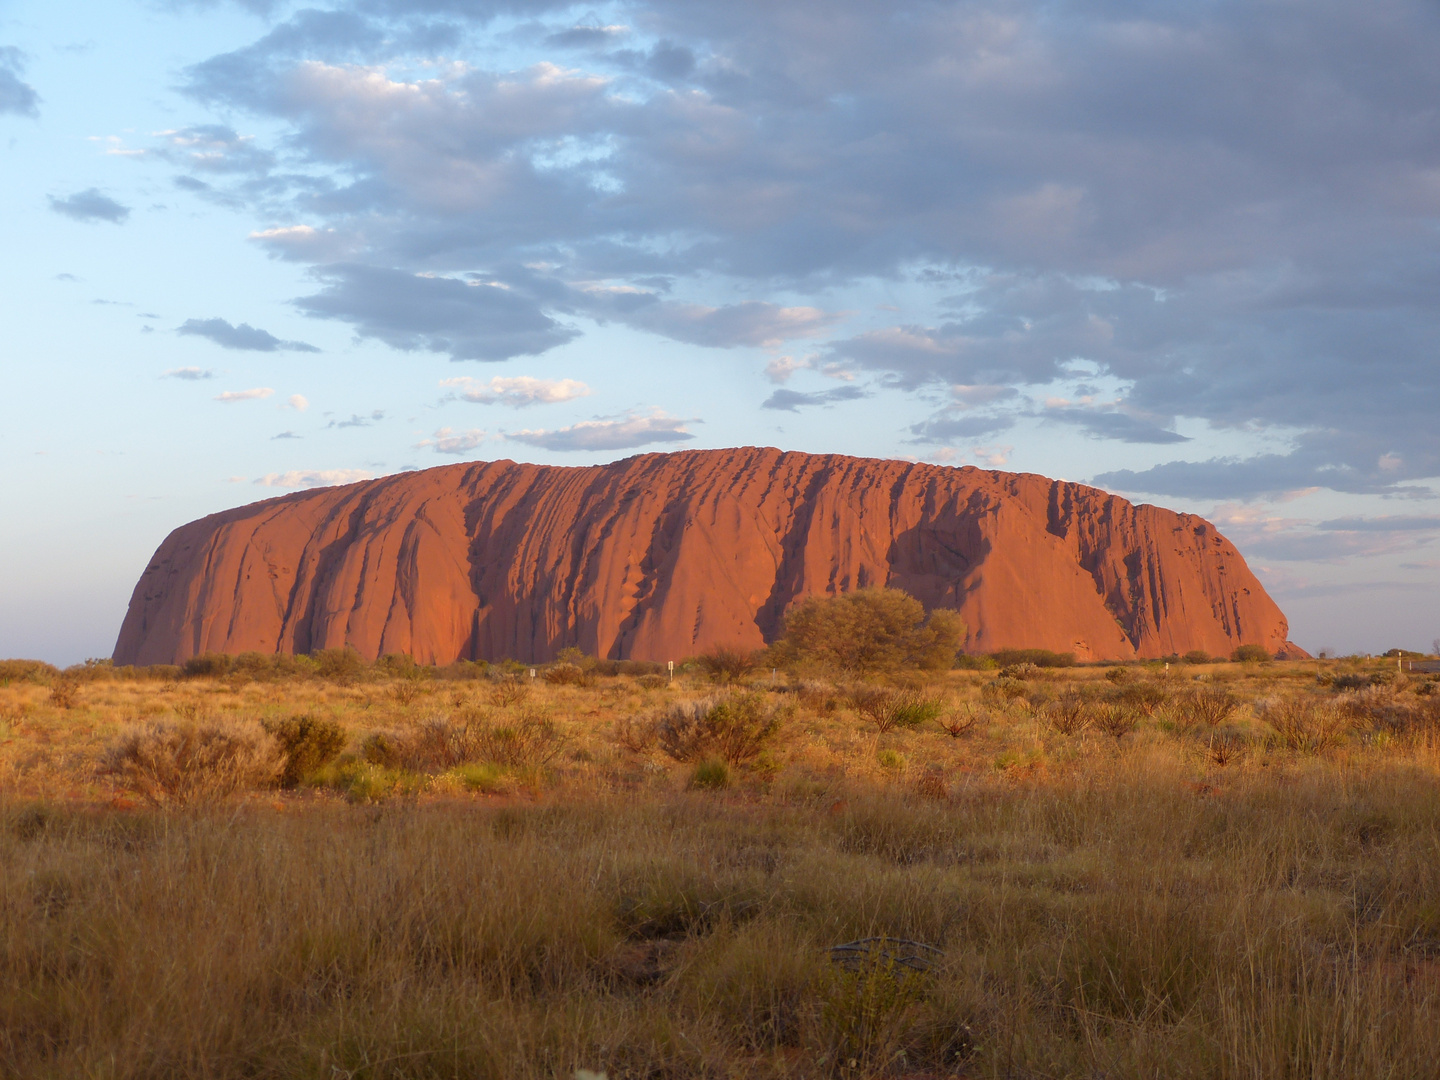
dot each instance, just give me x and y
(662, 556)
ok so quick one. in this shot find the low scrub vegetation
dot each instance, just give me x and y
(1008, 869)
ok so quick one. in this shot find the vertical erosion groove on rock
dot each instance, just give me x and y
(665, 555)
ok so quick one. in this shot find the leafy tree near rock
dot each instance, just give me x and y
(868, 631)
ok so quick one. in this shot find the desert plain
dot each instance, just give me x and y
(326, 867)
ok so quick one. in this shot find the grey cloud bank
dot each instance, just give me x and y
(1228, 208)
(244, 336)
(90, 205)
(16, 96)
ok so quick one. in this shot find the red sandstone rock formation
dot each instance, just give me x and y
(665, 555)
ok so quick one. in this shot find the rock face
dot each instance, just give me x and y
(665, 555)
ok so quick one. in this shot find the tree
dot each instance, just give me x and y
(869, 630)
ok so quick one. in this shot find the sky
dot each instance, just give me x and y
(1187, 252)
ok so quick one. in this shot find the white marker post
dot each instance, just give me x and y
(672, 670)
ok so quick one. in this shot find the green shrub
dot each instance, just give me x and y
(31, 671)
(891, 759)
(1197, 656)
(483, 777)
(967, 662)
(1038, 657)
(1250, 654)
(210, 665)
(306, 744)
(711, 774)
(892, 708)
(253, 665)
(339, 665)
(733, 729)
(869, 630)
(367, 782)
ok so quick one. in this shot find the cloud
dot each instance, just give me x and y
(753, 323)
(257, 394)
(615, 433)
(298, 402)
(794, 400)
(1229, 209)
(312, 478)
(356, 420)
(517, 391)
(946, 426)
(243, 336)
(189, 373)
(16, 97)
(1109, 422)
(1386, 524)
(286, 435)
(449, 441)
(90, 205)
(470, 320)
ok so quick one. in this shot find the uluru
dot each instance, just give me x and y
(662, 556)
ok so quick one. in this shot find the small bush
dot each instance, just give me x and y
(891, 759)
(306, 744)
(712, 774)
(1307, 726)
(1250, 654)
(183, 764)
(1022, 671)
(510, 690)
(889, 709)
(1210, 707)
(252, 665)
(652, 681)
(1197, 656)
(65, 692)
(1143, 695)
(869, 630)
(368, 782)
(435, 745)
(210, 665)
(635, 735)
(725, 665)
(567, 674)
(999, 691)
(486, 777)
(1070, 713)
(966, 662)
(1117, 721)
(733, 729)
(338, 665)
(31, 671)
(1039, 657)
(530, 743)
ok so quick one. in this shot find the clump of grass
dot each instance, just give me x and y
(712, 774)
(1069, 713)
(1210, 706)
(188, 763)
(567, 674)
(726, 665)
(1305, 725)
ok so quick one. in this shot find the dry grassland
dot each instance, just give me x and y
(1116, 875)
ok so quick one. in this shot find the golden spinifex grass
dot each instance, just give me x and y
(1172, 896)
